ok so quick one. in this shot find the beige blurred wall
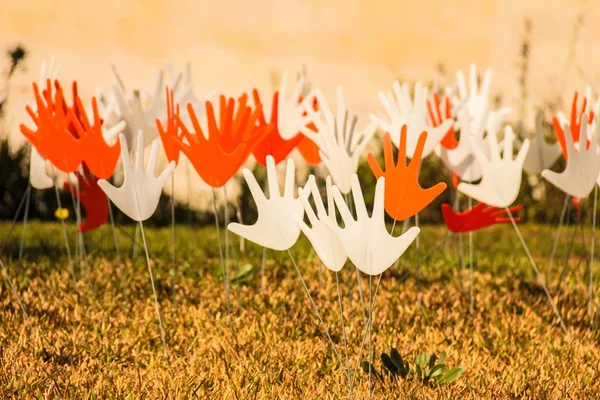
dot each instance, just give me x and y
(360, 44)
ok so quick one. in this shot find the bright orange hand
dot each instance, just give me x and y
(575, 125)
(53, 139)
(99, 157)
(449, 141)
(167, 135)
(404, 196)
(211, 161)
(273, 144)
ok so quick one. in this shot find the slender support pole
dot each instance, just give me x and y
(471, 297)
(64, 230)
(25, 216)
(537, 271)
(591, 288)
(16, 294)
(557, 236)
(223, 266)
(173, 234)
(14, 221)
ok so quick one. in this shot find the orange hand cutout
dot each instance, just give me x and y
(211, 161)
(435, 114)
(575, 124)
(273, 144)
(168, 135)
(93, 199)
(241, 128)
(476, 218)
(404, 196)
(99, 157)
(307, 148)
(53, 139)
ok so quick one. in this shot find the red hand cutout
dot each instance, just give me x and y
(93, 199)
(53, 139)
(404, 196)
(476, 218)
(575, 125)
(273, 144)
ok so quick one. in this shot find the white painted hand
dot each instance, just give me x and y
(139, 194)
(501, 180)
(291, 112)
(413, 113)
(477, 102)
(339, 146)
(541, 154)
(369, 245)
(583, 165)
(275, 227)
(326, 244)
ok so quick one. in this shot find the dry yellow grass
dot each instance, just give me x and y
(90, 341)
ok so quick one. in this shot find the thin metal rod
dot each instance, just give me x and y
(318, 314)
(471, 297)
(64, 229)
(173, 235)
(262, 270)
(160, 321)
(537, 271)
(358, 278)
(419, 296)
(117, 250)
(591, 288)
(14, 221)
(339, 291)
(16, 294)
(370, 332)
(223, 266)
(558, 231)
(25, 216)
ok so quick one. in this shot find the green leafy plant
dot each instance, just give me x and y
(427, 368)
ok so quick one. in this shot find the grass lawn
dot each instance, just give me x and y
(99, 337)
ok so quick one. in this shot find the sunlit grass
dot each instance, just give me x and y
(100, 337)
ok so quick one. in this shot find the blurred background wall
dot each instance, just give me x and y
(363, 45)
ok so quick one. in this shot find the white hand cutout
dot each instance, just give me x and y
(139, 194)
(501, 180)
(339, 146)
(275, 227)
(461, 159)
(541, 154)
(369, 245)
(290, 112)
(404, 111)
(583, 165)
(476, 100)
(326, 244)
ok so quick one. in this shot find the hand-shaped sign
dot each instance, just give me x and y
(139, 194)
(404, 111)
(583, 165)
(92, 198)
(273, 144)
(478, 217)
(340, 147)
(404, 196)
(215, 164)
(437, 118)
(291, 115)
(576, 123)
(168, 134)
(99, 157)
(501, 180)
(541, 155)
(53, 139)
(275, 227)
(326, 244)
(477, 102)
(369, 245)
